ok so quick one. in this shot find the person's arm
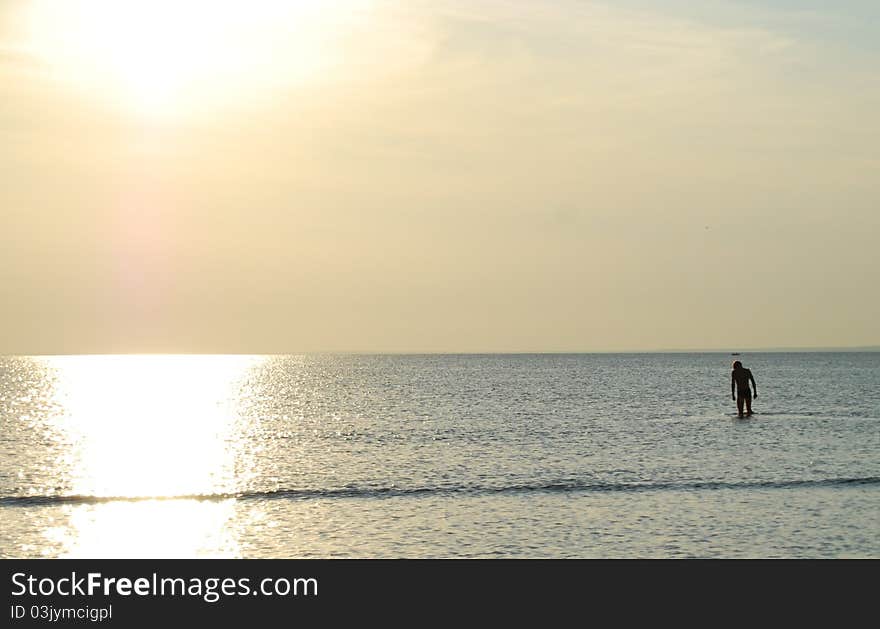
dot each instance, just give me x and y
(732, 383)
(754, 385)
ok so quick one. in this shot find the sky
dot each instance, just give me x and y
(445, 176)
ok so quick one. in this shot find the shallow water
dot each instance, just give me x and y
(582, 455)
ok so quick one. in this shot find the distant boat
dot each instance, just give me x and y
(735, 354)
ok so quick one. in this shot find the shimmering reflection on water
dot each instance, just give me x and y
(134, 427)
(151, 528)
(437, 456)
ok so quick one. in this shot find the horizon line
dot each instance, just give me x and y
(729, 351)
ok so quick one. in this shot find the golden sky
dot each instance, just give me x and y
(270, 177)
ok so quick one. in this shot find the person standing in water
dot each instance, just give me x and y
(740, 378)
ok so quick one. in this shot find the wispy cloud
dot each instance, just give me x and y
(624, 166)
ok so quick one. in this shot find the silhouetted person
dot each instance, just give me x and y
(740, 377)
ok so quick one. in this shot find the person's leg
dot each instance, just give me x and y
(739, 405)
(748, 405)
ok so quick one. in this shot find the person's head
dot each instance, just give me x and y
(737, 365)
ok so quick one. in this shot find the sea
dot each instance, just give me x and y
(439, 456)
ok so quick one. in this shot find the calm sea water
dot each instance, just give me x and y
(582, 455)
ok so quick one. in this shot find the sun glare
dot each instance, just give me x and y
(149, 425)
(152, 435)
(162, 56)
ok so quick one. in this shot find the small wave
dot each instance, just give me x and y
(391, 492)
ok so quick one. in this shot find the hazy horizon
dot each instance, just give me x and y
(493, 176)
(710, 350)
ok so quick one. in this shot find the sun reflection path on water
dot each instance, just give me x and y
(148, 529)
(150, 427)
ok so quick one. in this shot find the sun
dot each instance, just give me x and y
(162, 56)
